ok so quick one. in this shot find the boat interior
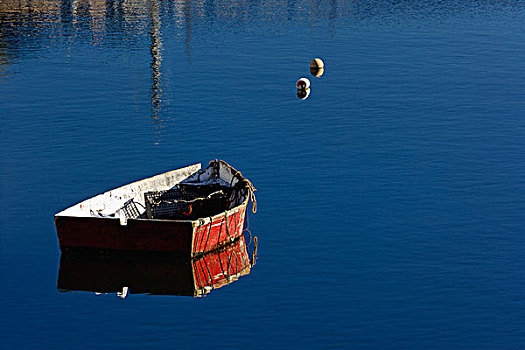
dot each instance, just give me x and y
(183, 194)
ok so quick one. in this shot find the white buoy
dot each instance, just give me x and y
(303, 84)
(317, 72)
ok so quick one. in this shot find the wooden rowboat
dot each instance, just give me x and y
(154, 274)
(188, 211)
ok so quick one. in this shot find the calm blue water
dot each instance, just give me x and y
(391, 201)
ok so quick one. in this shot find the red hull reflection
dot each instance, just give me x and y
(153, 273)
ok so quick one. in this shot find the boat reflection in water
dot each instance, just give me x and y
(155, 274)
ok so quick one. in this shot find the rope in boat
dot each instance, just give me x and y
(238, 175)
(208, 236)
(227, 227)
(220, 231)
(200, 236)
(173, 201)
(249, 185)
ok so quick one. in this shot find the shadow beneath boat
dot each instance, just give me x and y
(124, 273)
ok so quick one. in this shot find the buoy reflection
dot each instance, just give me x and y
(303, 93)
(316, 72)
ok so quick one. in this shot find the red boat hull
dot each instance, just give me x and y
(223, 229)
(126, 218)
(185, 237)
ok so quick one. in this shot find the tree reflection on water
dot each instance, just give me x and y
(156, 60)
(27, 26)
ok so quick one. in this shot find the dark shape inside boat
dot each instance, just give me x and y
(191, 200)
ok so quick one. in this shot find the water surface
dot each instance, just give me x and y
(391, 211)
